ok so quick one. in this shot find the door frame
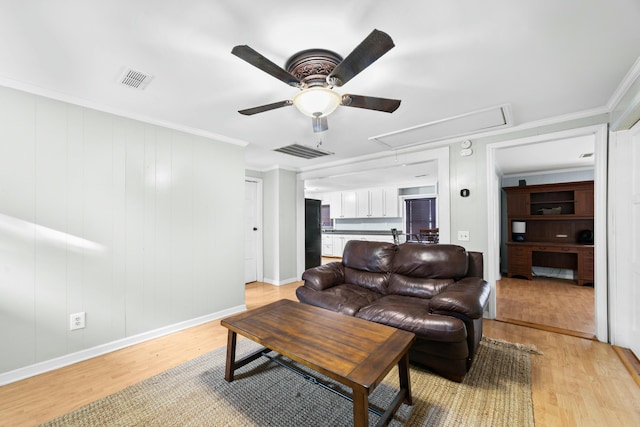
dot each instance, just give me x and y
(260, 222)
(601, 285)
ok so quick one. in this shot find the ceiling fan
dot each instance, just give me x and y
(316, 71)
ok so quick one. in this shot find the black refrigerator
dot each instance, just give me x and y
(312, 233)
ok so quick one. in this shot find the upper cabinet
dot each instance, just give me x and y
(377, 203)
(518, 205)
(584, 201)
(391, 203)
(367, 203)
(551, 201)
(343, 204)
(552, 213)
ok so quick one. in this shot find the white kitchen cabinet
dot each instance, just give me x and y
(343, 204)
(338, 241)
(327, 245)
(338, 245)
(390, 202)
(377, 203)
(348, 204)
(366, 203)
(363, 204)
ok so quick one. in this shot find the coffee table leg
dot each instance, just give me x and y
(231, 356)
(405, 379)
(360, 408)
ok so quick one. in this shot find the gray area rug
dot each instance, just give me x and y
(496, 392)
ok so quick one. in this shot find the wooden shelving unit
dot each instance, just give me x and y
(554, 214)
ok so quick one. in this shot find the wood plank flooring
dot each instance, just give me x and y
(557, 304)
(576, 382)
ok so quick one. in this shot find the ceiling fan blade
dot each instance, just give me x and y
(371, 103)
(259, 61)
(366, 53)
(267, 107)
(319, 124)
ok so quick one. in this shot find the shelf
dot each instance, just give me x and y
(552, 202)
(551, 240)
(550, 244)
(562, 217)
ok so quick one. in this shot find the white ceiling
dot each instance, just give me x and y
(544, 58)
(556, 155)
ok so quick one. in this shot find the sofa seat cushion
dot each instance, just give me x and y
(346, 298)
(412, 314)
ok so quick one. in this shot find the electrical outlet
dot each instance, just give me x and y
(77, 321)
(463, 236)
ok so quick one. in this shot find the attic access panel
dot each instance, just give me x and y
(464, 124)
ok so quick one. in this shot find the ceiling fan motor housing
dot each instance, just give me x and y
(312, 66)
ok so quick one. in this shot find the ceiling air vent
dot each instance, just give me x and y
(302, 151)
(135, 79)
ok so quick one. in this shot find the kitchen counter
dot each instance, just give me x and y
(361, 232)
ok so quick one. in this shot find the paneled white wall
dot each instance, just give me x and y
(280, 232)
(135, 224)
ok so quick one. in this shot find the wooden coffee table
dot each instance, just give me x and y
(352, 351)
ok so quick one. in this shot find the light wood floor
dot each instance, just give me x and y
(556, 304)
(576, 382)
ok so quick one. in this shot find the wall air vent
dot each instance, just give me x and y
(452, 127)
(302, 151)
(135, 79)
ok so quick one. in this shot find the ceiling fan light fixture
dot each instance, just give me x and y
(317, 101)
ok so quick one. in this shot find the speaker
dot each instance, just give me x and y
(585, 237)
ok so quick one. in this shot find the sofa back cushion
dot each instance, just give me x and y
(367, 264)
(425, 270)
(377, 282)
(430, 261)
(375, 257)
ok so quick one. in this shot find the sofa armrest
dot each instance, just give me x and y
(324, 276)
(468, 297)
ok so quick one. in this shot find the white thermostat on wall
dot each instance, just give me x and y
(465, 144)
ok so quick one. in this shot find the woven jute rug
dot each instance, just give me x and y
(495, 392)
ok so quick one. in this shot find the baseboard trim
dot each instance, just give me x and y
(280, 282)
(69, 359)
(630, 361)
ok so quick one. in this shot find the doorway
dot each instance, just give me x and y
(495, 215)
(252, 230)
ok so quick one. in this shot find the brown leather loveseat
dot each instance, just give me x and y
(434, 291)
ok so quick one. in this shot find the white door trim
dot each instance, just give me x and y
(600, 223)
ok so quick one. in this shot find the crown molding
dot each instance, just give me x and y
(624, 86)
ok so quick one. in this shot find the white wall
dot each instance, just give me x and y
(132, 223)
(624, 263)
(469, 213)
(280, 227)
